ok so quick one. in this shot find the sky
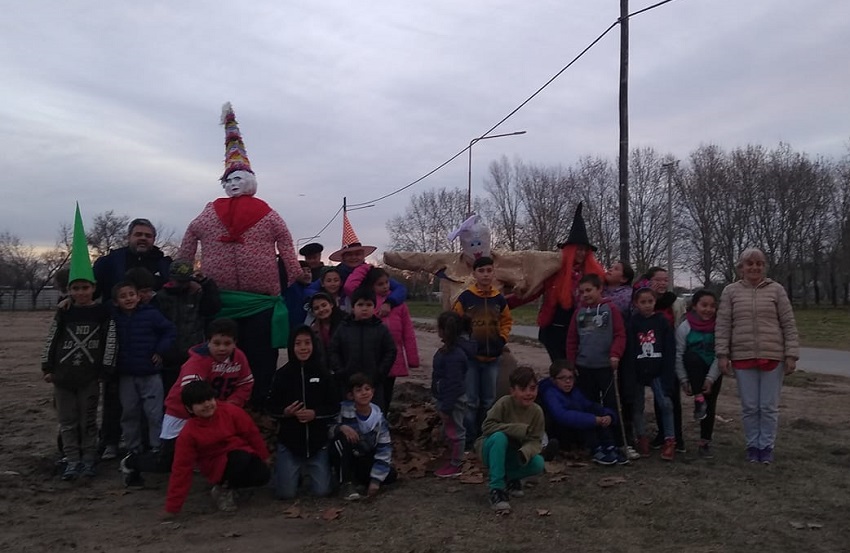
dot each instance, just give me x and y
(116, 104)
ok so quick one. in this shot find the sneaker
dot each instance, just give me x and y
(551, 450)
(88, 469)
(705, 450)
(633, 455)
(134, 481)
(621, 458)
(447, 471)
(71, 472)
(643, 446)
(753, 455)
(224, 498)
(110, 452)
(700, 410)
(350, 493)
(657, 441)
(499, 501)
(668, 452)
(515, 488)
(604, 456)
(680, 446)
(128, 464)
(766, 455)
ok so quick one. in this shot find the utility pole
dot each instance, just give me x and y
(670, 166)
(624, 130)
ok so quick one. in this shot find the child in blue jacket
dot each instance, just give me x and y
(144, 336)
(448, 385)
(571, 418)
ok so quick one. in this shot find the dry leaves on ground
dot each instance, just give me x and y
(293, 511)
(610, 481)
(544, 512)
(331, 513)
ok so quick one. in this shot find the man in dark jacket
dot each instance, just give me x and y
(362, 344)
(139, 252)
(303, 398)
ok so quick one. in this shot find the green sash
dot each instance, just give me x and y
(238, 305)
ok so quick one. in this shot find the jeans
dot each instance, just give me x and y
(504, 463)
(481, 377)
(454, 431)
(759, 392)
(141, 396)
(665, 405)
(288, 467)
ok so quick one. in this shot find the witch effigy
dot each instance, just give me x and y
(241, 239)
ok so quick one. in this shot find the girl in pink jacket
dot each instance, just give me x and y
(397, 321)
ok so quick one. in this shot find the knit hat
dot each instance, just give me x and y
(80, 260)
(180, 270)
(578, 232)
(350, 242)
(235, 155)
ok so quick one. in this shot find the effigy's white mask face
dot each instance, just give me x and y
(475, 241)
(240, 183)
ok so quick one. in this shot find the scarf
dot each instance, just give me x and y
(238, 215)
(698, 324)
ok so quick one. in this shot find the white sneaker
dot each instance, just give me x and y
(110, 452)
(632, 454)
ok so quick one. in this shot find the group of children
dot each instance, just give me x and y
(330, 398)
(620, 341)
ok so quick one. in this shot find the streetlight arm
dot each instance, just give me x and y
(469, 167)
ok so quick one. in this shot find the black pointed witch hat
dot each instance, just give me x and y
(578, 232)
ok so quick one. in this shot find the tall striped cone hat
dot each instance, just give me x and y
(350, 242)
(235, 155)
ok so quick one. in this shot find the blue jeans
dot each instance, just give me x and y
(665, 404)
(481, 377)
(759, 391)
(288, 466)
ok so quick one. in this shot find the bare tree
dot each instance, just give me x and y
(549, 196)
(107, 232)
(503, 187)
(596, 181)
(428, 220)
(647, 209)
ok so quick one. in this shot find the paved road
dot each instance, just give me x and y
(816, 360)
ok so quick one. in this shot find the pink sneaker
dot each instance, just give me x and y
(447, 471)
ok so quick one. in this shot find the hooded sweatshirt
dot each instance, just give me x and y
(651, 350)
(596, 335)
(491, 320)
(310, 383)
(448, 377)
(571, 410)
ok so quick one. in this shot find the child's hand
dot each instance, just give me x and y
(725, 365)
(305, 415)
(385, 310)
(790, 365)
(373, 489)
(293, 408)
(157, 359)
(604, 422)
(350, 434)
(48, 377)
(686, 387)
(64, 305)
(615, 363)
(706, 386)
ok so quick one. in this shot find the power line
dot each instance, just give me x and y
(506, 117)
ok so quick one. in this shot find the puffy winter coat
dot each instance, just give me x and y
(190, 308)
(571, 410)
(109, 270)
(448, 377)
(362, 346)
(756, 322)
(142, 333)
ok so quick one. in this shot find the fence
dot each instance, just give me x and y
(21, 300)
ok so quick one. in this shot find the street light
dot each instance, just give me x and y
(469, 173)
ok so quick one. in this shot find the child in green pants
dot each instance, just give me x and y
(510, 442)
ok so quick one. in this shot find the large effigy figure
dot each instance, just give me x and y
(241, 237)
(519, 273)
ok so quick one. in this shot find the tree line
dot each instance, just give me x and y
(793, 206)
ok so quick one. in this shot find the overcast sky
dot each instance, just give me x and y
(117, 104)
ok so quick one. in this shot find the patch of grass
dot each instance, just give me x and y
(525, 315)
(824, 328)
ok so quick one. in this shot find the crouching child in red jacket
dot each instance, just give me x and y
(223, 442)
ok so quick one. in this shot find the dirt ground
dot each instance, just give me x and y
(799, 503)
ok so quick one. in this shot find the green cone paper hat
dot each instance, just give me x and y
(80, 260)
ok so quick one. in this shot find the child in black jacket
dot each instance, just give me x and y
(650, 361)
(303, 399)
(362, 344)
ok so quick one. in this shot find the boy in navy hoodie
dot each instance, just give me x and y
(144, 335)
(571, 418)
(596, 341)
(303, 399)
(650, 361)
